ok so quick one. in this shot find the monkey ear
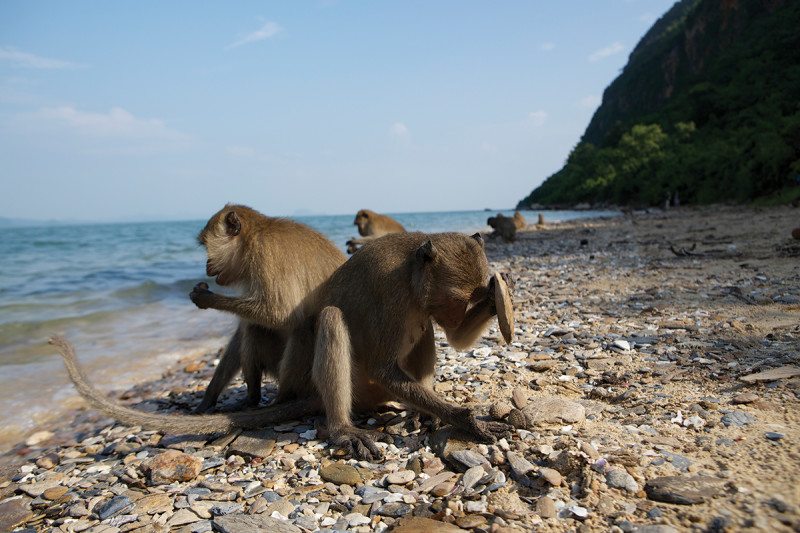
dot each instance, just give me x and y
(233, 224)
(426, 252)
(478, 237)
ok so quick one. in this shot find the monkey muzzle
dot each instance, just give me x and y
(215, 273)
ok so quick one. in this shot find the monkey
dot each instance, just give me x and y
(369, 341)
(372, 225)
(276, 263)
(503, 226)
(519, 220)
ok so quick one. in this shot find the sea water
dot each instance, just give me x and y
(119, 292)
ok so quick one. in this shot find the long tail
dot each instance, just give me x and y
(177, 423)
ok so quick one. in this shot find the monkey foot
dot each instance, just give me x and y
(489, 430)
(360, 444)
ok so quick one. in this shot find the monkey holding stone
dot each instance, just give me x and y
(503, 226)
(369, 340)
(372, 225)
(278, 264)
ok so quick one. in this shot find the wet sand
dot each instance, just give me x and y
(635, 332)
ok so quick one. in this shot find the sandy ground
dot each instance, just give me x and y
(624, 379)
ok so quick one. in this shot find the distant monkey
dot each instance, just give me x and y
(372, 225)
(519, 220)
(503, 226)
(278, 264)
(370, 341)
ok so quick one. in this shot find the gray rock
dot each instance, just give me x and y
(772, 435)
(678, 461)
(259, 443)
(371, 494)
(113, 507)
(656, 528)
(683, 490)
(519, 465)
(738, 418)
(394, 509)
(242, 523)
(620, 479)
(472, 477)
(547, 410)
(469, 458)
(224, 508)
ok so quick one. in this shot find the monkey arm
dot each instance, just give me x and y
(250, 309)
(474, 323)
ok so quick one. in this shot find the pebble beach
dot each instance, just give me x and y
(653, 381)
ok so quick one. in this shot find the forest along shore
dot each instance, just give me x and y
(654, 377)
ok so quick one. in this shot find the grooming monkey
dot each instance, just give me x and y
(369, 341)
(504, 227)
(278, 264)
(372, 225)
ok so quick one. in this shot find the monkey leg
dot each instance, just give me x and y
(332, 376)
(425, 399)
(229, 364)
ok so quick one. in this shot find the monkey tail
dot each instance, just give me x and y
(178, 423)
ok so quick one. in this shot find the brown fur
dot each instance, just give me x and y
(503, 226)
(370, 341)
(372, 225)
(278, 265)
(519, 220)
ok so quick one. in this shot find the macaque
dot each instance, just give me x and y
(372, 225)
(278, 265)
(368, 340)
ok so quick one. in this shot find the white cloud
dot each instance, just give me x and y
(610, 50)
(537, 118)
(116, 123)
(546, 47)
(399, 129)
(27, 60)
(267, 31)
(590, 102)
(240, 151)
(489, 148)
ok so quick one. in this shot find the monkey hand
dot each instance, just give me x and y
(201, 296)
(359, 443)
(351, 247)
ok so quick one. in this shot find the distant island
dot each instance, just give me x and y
(706, 108)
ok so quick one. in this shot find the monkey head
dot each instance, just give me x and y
(223, 239)
(363, 220)
(492, 222)
(454, 271)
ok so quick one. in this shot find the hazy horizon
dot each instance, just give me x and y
(113, 112)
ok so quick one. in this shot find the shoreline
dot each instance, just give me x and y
(650, 342)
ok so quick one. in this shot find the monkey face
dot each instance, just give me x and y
(458, 274)
(220, 236)
(361, 220)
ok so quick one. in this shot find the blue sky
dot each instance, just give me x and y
(166, 110)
